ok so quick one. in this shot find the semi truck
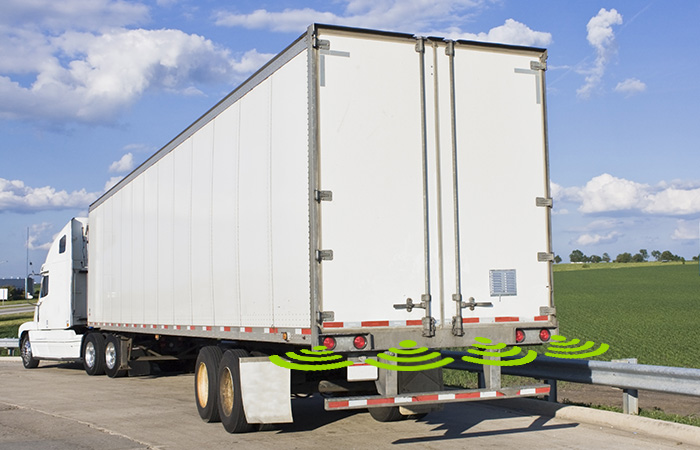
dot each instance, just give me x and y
(361, 194)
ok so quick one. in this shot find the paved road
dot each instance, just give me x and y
(60, 407)
(15, 310)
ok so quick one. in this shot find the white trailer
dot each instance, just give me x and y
(361, 190)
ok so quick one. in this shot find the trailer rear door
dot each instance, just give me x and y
(435, 156)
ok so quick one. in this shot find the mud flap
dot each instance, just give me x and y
(265, 391)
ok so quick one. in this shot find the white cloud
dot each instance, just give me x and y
(593, 239)
(608, 194)
(125, 164)
(674, 201)
(441, 17)
(109, 184)
(511, 32)
(16, 197)
(686, 230)
(630, 87)
(75, 60)
(37, 233)
(602, 38)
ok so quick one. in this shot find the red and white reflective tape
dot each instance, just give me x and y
(428, 398)
(264, 330)
(416, 323)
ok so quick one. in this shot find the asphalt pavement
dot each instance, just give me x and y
(58, 406)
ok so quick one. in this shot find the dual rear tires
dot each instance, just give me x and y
(103, 355)
(217, 388)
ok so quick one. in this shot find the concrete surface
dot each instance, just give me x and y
(10, 310)
(58, 406)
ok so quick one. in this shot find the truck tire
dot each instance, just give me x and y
(28, 359)
(94, 354)
(113, 355)
(386, 414)
(230, 401)
(206, 383)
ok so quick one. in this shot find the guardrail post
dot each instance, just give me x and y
(630, 397)
(552, 397)
(630, 401)
(490, 378)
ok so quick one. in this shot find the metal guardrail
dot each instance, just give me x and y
(624, 375)
(9, 343)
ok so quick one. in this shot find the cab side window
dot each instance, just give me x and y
(44, 286)
(62, 245)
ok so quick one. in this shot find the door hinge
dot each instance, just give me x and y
(322, 44)
(326, 316)
(323, 196)
(544, 202)
(420, 45)
(324, 255)
(545, 257)
(548, 311)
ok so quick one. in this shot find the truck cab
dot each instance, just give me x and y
(61, 311)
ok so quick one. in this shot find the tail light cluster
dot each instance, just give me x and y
(359, 342)
(544, 335)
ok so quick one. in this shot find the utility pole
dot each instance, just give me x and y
(26, 272)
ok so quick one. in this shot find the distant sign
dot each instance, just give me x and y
(3, 294)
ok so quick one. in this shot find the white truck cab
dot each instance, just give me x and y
(61, 311)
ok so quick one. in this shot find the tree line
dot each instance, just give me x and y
(577, 256)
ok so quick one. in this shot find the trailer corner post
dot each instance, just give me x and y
(314, 208)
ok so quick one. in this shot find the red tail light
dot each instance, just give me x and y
(519, 336)
(329, 342)
(359, 342)
(544, 335)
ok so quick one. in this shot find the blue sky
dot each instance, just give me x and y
(89, 89)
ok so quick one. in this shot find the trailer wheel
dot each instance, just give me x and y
(386, 414)
(206, 383)
(28, 359)
(230, 401)
(94, 354)
(113, 356)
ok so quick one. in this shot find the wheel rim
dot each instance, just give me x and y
(226, 391)
(202, 385)
(90, 354)
(26, 351)
(110, 355)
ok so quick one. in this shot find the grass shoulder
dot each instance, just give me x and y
(9, 324)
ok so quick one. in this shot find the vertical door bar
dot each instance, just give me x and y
(543, 92)
(314, 221)
(428, 321)
(457, 326)
(438, 184)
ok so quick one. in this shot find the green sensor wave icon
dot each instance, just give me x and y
(561, 348)
(493, 350)
(319, 358)
(409, 359)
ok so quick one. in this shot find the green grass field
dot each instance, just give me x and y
(648, 311)
(10, 324)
